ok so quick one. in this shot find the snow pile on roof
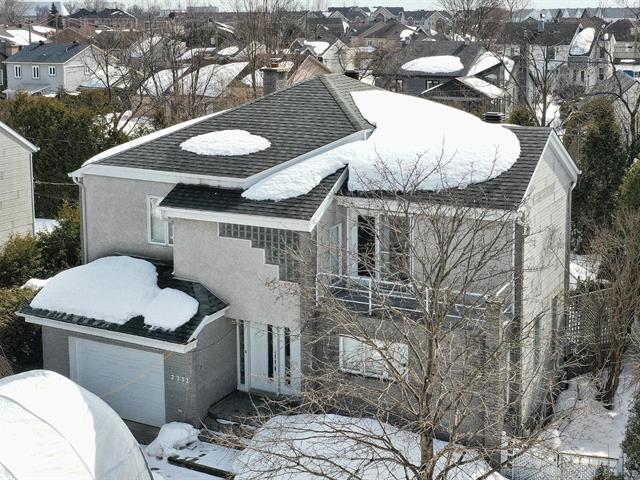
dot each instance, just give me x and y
(172, 436)
(116, 289)
(482, 86)
(226, 143)
(211, 80)
(456, 150)
(51, 426)
(228, 51)
(435, 64)
(590, 428)
(333, 446)
(581, 43)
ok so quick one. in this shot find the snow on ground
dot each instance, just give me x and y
(306, 447)
(45, 225)
(116, 289)
(435, 64)
(582, 268)
(226, 143)
(35, 283)
(581, 43)
(590, 428)
(53, 427)
(457, 150)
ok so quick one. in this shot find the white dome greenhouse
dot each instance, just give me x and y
(51, 428)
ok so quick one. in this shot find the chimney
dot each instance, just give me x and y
(274, 78)
(493, 117)
(541, 23)
(352, 74)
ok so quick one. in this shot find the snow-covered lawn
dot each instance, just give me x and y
(307, 447)
(590, 428)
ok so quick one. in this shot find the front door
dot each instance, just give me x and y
(273, 361)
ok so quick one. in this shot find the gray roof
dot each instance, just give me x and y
(296, 120)
(507, 190)
(208, 304)
(47, 53)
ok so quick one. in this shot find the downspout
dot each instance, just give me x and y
(83, 219)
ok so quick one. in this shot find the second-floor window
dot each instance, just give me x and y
(17, 71)
(52, 71)
(160, 230)
(35, 71)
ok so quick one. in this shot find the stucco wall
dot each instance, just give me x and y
(116, 216)
(16, 189)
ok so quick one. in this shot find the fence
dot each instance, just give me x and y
(560, 466)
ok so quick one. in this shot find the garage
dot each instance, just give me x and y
(131, 381)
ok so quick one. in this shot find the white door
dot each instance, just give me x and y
(274, 359)
(131, 381)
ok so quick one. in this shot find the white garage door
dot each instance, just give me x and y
(131, 381)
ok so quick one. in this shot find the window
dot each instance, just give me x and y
(601, 74)
(17, 71)
(35, 71)
(160, 230)
(582, 76)
(52, 71)
(374, 358)
(431, 83)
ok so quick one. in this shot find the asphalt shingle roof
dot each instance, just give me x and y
(296, 120)
(202, 197)
(48, 52)
(208, 304)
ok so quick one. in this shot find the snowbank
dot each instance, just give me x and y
(305, 447)
(51, 426)
(590, 428)
(581, 43)
(226, 143)
(116, 289)
(401, 154)
(172, 436)
(435, 64)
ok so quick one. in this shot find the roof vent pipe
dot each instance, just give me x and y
(493, 117)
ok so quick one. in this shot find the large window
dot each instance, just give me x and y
(17, 71)
(160, 230)
(373, 358)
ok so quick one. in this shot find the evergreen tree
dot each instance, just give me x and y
(631, 442)
(593, 139)
(630, 189)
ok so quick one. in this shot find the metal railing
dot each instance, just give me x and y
(368, 295)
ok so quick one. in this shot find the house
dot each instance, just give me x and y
(43, 68)
(16, 184)
(196, 218)
(461, 74)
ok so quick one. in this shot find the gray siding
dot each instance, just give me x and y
(16, 189)
(116, 217)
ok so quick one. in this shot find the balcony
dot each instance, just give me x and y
(370, 296)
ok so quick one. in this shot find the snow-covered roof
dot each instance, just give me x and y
(51, 426)
(581, 43)
(435, 64)
(457, 149)
(116, 289)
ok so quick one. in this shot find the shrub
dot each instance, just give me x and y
(20, 342)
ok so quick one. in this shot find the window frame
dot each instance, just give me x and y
(168, 226)
(52, 68)
(17, 71)
(35, 72)
(368, 352)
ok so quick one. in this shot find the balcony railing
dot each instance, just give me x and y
(368, 296)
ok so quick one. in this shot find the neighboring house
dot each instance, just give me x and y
(461, 74)
(16, 184)
(237, 257)
(44, 68)
(109, 17)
